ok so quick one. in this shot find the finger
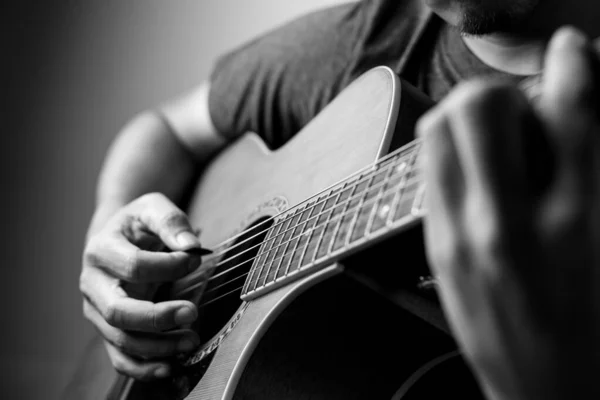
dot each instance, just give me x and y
(126, 261)
(445, 189)
(123, 312)
(167, 221)
(568, 105)
(485, 120)
(568, 99)
(568, 112)
(143, 345)
(140, 370)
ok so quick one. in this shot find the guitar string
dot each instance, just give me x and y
(286, 253)
(408, 148)
(323, 211)
(323, 201)
(291, 211)
(229, 293)
(334, 219)
(401, 185)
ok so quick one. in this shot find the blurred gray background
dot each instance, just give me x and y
(72, 73)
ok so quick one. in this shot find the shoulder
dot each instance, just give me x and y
(282, 79)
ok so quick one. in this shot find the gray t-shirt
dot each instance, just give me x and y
(275, 84)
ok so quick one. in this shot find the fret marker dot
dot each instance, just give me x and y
(401, 167)
(383, 211)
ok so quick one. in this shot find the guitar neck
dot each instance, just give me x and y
(365, 208)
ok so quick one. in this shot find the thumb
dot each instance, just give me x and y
(163, 218)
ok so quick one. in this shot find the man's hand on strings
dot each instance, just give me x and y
(512, 242)
(123, 263)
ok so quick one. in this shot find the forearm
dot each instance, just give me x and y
(145, 157)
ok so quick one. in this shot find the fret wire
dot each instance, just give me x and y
(402, 162)
(297, 213)
(357, 209)
(417, 206)
(294, 249)
(308, 234)
(317, 202)
(404, 184)
(404, 207)
(324, 200)
(275, 236)
(303, 230)
(315, 217)
(415, 176)
(312, 231)
(339, 223)
(404, 149)
(267, 257)
(258, 261)
(278, 240)
(322, 234)
(380, 191)
(339, 215)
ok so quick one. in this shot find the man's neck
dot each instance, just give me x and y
(523, 54)
(513, 55)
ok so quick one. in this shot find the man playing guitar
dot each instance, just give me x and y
(513, 249)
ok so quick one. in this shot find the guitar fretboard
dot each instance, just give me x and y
(348, 216)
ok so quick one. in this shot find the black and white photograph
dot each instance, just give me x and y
(300, 200)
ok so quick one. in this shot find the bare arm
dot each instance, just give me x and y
(158, 151)
(149, 167)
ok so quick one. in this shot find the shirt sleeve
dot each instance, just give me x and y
(277, 83)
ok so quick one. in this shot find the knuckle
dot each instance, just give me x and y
(112, 315)
(91, 253)
(121, 365)
(487, 236)
(143, 374)
(489, 243)
(120, 340)
(150, 198)
(174, 219)
(83, 282)
(86, 310)
(456, 252)
(133, 266)
(157, 320)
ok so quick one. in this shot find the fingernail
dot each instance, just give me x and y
(187, 240)
(569, 36)
(186, 345)
(161, 372)
(185, 315)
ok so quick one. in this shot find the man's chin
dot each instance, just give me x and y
(478, 23)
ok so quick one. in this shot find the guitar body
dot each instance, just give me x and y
(327, 335)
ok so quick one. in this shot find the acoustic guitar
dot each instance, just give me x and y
(317, 287)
